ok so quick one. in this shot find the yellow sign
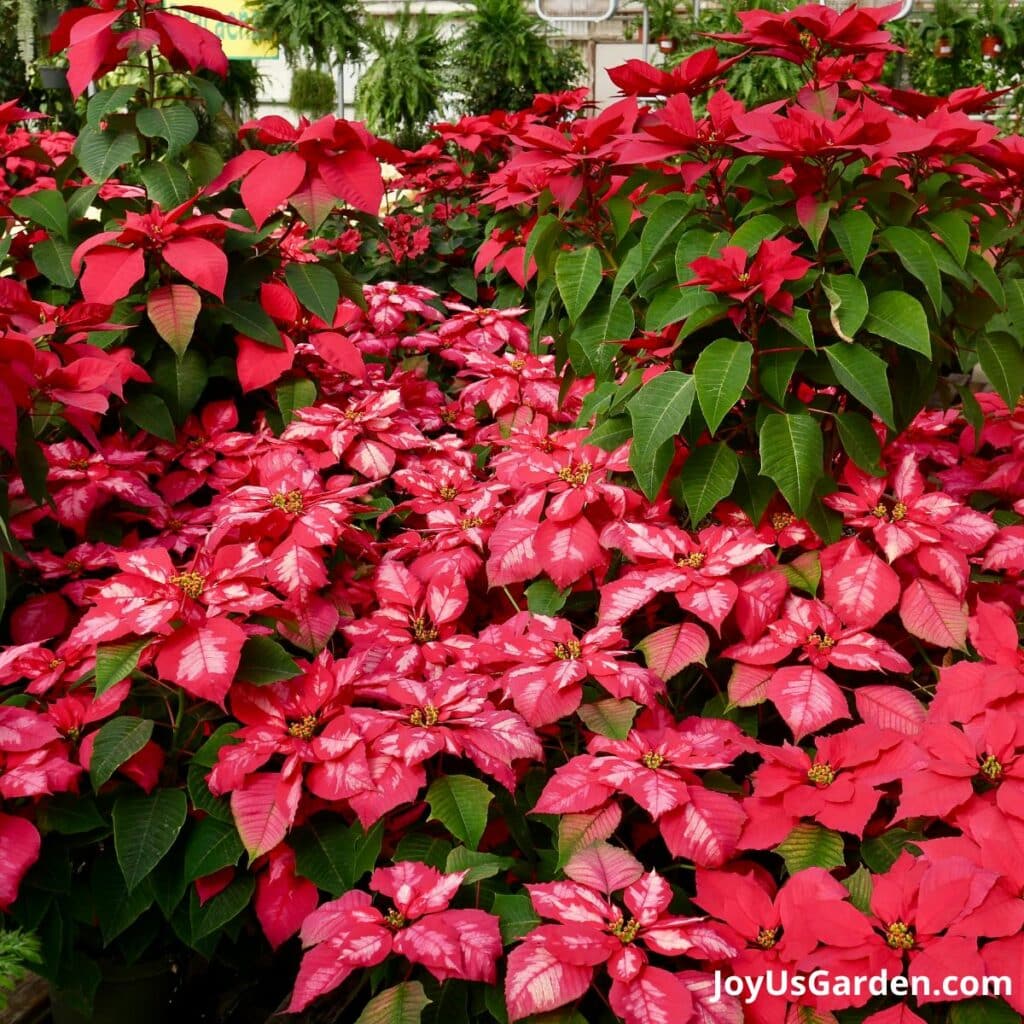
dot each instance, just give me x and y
(238, 43)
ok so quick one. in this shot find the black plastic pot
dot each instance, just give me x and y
(53, 78)
(140, 993)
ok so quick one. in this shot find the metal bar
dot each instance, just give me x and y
(646, 31)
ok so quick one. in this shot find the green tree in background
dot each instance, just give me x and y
(400, 94)
(504, 55)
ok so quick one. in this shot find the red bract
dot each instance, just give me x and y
(186, 242)
(811, 30)
(555, 964)
(839, 786)
(350, 933)
(692, 76)
(315, 166)
(923, 909)
(791, 927)
(95, 46)
(988, 754)
(773, 265)
(566, 164)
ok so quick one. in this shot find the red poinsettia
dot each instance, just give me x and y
(839, 787)
(315, 165)
(185, 241)
(773, 265)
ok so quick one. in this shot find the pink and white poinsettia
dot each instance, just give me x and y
(545, 665)
(449, 714)
(667, 560)
(806, 696)
(416, 620)
(555, 964)
(189, 606)
(33, 756)
(304, 722)
(289, 504)
(939, 531)
(656, 766)
(351, 933)
(367, 433)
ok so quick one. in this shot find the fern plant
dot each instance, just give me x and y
(504, 55)
(400, 93)
(18, 949)
(310, 32)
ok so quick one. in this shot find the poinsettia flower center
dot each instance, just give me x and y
(896, 513)
(448, 492)
(79, 464)
(899, 935)
(767, 937)
(653, 760)
(55, 663)
(782, 519)
(991, 768)
(190, 583)
(625, 931)
(394, 920)
(351, 415)
(569, 651)
(821, 774)
(73, 565)
(175, 525)
(819, 639)
(74, 734)
(575, 476)
(743, 278)
(517, 364)
(424, 717)
(423, 631)
(470, 523)
(290, 502)
(304, 728)
(694, 560)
